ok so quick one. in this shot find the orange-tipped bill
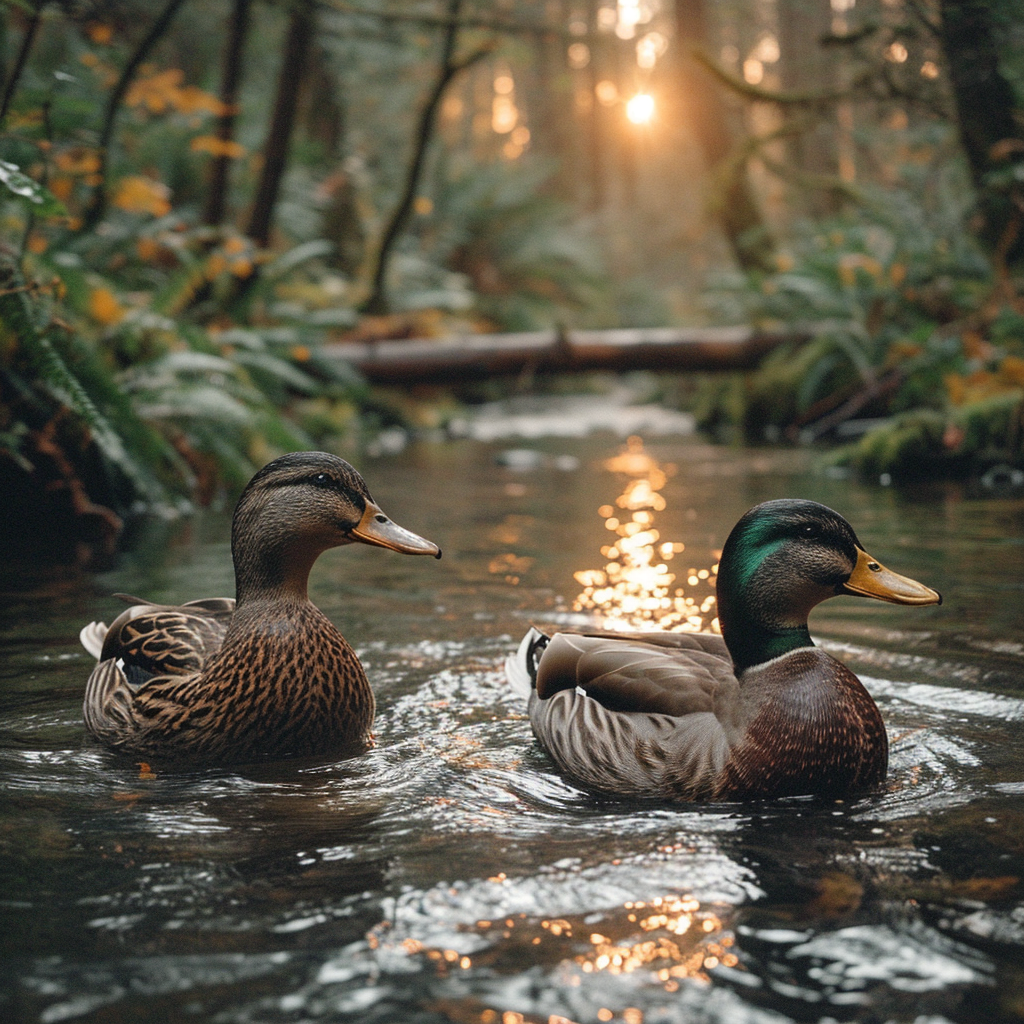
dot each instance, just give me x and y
(871, 579)
(376, 528)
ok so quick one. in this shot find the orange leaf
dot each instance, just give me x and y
(137, 194)
(104, 307)
(215, 266)
(1012, 370)
(217, 147)
(147, 248)
(99, 33)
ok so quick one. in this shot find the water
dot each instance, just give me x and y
(450, 874)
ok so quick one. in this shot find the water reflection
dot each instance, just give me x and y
(635, 589)
(450, 875)
(671, 937)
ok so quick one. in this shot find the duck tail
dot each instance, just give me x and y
(92, 637)
(521, 667)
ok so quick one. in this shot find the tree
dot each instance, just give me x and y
(805, 68)
(708, 117)
(98, 204)
(27, 42)
(987, 116)
(238, 27)
(299, 37)
(448, 68)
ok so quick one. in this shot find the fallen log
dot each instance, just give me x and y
(416, 360)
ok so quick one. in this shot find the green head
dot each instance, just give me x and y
(783, 558)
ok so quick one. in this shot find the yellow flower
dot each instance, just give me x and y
(99, 34)
(191, 99)
(217, 147)
(78, 160)
(147, 249)
(154, 91)
(104, 307)
(138, 194)
(62, 188)
(1012, 370)
(215, 266)
(159, 91)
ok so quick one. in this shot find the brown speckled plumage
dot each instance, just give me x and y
(757, 713)
(270, 677)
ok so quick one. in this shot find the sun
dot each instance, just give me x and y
(640, 109)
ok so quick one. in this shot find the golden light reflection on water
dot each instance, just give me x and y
(673, 938)
(635, 590)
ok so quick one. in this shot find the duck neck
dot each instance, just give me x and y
(751, 643)
(274, 573)
(758, 623)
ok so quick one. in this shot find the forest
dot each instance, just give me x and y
(202, 203)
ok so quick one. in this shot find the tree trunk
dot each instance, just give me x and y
(552, 101)
(708, 118)
(448, 69)
(27, 42)
(805, 69)
(596, 134)
(220, 169)
(301, 28)
(985, 106)
(98, 203)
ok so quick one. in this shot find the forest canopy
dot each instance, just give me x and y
(199, 202)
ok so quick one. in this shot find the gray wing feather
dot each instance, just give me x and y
(646, 715)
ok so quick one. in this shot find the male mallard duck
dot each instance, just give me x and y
(755, 713)
(267, 673)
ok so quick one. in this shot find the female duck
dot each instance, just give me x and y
(267, 674)
(758, 712)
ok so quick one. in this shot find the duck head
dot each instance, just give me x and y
(783, 558)
(297, 507)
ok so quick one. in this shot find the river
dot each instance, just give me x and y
(450, 874)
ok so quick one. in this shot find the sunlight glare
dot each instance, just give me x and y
(635, 589)
(640, 109)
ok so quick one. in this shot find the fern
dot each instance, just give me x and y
(19, 314)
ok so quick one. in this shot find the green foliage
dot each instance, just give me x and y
(527, 264)
(877, 296)
(928, 443)
(36, 198)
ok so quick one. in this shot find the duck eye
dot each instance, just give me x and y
(810, 530)
(321, 480)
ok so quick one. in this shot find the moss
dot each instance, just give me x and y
(930, 443)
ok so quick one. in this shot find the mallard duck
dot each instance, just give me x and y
(757, 712)
(265, 674)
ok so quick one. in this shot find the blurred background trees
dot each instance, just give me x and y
(196, 197)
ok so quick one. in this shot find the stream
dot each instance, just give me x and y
(450, 874)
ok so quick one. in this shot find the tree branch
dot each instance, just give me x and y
(779, 97)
